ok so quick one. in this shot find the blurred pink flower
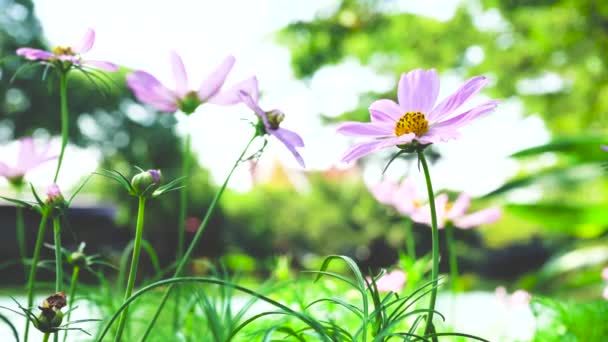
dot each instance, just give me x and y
(605, 273)
(151, 91)
(456, 213)
(391, 282)
(28, 158)
(416, 117)
(402, 197)
(518, 298)
(271, 120)
(70, 54)
(192, 224)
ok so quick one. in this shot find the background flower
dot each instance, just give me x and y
(456, 213)
(28, 158)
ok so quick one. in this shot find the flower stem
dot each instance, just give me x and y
(20, 225)
(181, 227)
(32, 277)
(453, 256)
(435, 240)
(58, 258)
(410, 242)
(134, 262)
(197, 237)
(45, 337)
(63, 89)
(73, 284)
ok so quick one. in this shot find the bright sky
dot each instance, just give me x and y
(139, 34)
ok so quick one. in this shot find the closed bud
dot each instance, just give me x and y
(275, 117)
(77, 258)
(54, 198)
(144, 183)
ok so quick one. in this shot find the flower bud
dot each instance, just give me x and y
(144, 183)
(50, 317)
(54, 198)
(77, 258)
(275, 117)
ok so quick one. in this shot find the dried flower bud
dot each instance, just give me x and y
(144, 183)
(275, 117)
(50, 317)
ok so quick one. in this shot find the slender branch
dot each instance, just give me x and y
(63, 89)
(58, 254)
(73, 285)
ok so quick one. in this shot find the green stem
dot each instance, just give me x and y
(32, 277)
(45, 337)
(58, 255)
(134, 262)
(196, 238)
(435, 240)
(72, 296)
(453, 256)
(181, 227)
(410, 242)
(21, 237)
(63, 89)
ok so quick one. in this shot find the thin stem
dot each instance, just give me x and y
(72, 296)
(32, 277)
(453, 256)
(197, 237)
(58, 255)
(63, 90)
(181, 227)
(45, 337)
(435, 239)
(21, 237)
(410, 242)
(134, 262)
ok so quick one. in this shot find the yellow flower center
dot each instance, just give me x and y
(411, 122)
(63, 50)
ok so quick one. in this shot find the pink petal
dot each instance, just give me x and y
(34, 54)
(86, 42)
(27, 152)
(288, 138)
(215, 80)
(107, 66)
(384, 191)
(361, 129)
(458, 98)
(385, 111)
(391, 282)
(405, 197)
(232, 95)
(179, 73)
(485, 216)
(460, 206)
(149, 90)
(435, 135)
(605, 293)
(520, 298)
(423, 214)
(418, 90)
(359, 150)
(5, 170)
(605, 273)
(468, 116)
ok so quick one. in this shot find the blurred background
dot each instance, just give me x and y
(322, 62)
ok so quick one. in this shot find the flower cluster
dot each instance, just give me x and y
(404, 199)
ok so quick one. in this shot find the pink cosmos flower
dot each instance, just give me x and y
(416, 117)
(456, 213)
(70, 54)
(28, 158)
(149, 90)
(402, 197)
(391, 282)
(248, 93)
(605, 277)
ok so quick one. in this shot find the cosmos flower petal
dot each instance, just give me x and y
(359, 150)
(287, 139)
(384, 191)
(179, 74)
(5, 170)
(361, 129)
(605, 273)
(34, 54)
(468, 116)
(232, 95)
(102, 65)
(485, 216)
(435, 135)
(149, 90)
(290, 136)
(451, 103)
(418, 90)
(391, 282)
(86, 42)
(423, 214)
(385, 111)
(405, 197)
(212, 84)
(460, 206)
